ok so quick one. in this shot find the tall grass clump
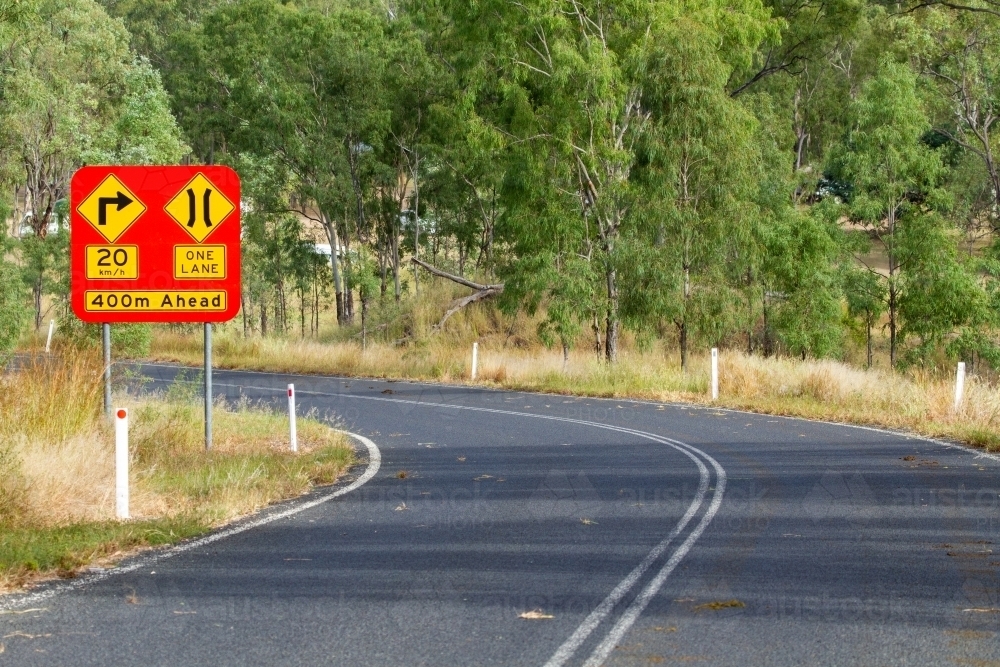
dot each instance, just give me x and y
(57, 466)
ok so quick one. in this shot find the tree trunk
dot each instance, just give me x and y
(565, 348)
(767, 342)
(683, 326)
(37, 293)
(892, 323)
(596, 326)
(338, 280)
(395, 267)
(281, 308)
(383, 268)
(612, 324)
(683, 336)
(893, 292)
(316, 309)
(868, 322)
(416, 220)
(348, 267)
(364, 324)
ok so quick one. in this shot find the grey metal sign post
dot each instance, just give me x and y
(106, 337)
(208, 387)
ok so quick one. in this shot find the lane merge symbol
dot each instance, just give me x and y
(199, 208)
(111, 208)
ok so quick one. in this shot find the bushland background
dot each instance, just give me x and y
(597, 192)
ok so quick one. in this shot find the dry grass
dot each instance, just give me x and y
(57, 467)
(918, 401)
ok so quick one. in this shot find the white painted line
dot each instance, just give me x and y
(603, 610)
(374, 463)
(638, 605)
(978, 454)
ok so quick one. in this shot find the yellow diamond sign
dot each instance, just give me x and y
(199, 207)
(111, 208)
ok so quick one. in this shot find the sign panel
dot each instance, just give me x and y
(155, 244)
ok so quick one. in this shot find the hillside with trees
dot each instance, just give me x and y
(780, 177)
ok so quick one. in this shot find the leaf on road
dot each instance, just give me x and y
(535, 615)
(482, 477)
(402, 507)
(719, 604)
(588, 522)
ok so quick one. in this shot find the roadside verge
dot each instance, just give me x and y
(57, 470)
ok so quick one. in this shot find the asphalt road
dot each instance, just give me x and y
(650, 534)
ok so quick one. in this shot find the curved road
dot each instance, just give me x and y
(635, 533)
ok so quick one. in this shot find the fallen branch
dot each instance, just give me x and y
(459, 304)
(457, 279)
(482, 291)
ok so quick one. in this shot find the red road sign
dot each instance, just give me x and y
(155, 244)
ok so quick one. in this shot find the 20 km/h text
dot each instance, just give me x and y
(112, 262)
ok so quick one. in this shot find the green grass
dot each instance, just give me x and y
(57, 468)
(28, 551)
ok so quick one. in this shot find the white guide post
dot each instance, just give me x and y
(715, 373)
(959, 384)
(121, 463)
(48, 341)
(475, 359)
(291, 418)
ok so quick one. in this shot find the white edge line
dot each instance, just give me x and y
(374, 463)
(979, 454)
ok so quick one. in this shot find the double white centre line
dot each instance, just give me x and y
(604, 610)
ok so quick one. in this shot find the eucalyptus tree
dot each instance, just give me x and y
(566, 82)
(960, 55)
(75, 94)
(703, 155)
(895, 177)
(944, 299)
(305, 88)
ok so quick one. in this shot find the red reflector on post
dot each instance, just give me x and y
(289, 392)
(121, 414)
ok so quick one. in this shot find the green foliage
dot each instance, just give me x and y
(13, 307)
(730, 172)
(129, 341)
